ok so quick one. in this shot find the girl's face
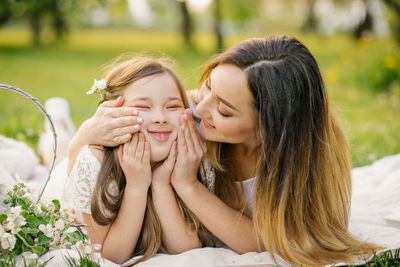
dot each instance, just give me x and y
(226, 107)
(160, 104)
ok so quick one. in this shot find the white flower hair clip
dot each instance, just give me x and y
(99, 87)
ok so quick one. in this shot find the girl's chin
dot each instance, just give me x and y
(157, 155)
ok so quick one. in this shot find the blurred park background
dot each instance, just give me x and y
(57, 47)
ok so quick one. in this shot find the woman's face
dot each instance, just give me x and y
(226, 106)
(160, 104)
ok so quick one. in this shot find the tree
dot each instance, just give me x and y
(186, 23)
(34, 11)
(217, 25)
(395, 6)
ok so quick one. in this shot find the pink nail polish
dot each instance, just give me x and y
(139, 120)
(182, 127)
(135, 112)
(119, 98)
(136, 126)
(185, 117)
(189, 112)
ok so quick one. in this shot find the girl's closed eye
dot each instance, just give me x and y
(142, 106)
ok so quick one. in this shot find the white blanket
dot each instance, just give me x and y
(376, 195)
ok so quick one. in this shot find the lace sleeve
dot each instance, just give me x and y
(80, 184)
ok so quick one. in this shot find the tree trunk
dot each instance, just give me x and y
(310, 23)
(392, 4)
(217, 25)
(35, 28)
(186, 23)
(365, 26)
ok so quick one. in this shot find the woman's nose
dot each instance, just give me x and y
(203, 106)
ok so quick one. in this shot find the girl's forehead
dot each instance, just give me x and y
(154, 87)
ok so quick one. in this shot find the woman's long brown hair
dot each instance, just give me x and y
(110, 185)
(303, 190)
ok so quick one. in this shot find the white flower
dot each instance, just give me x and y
(59, 225)
(8, 241)
(2, 231)
(29, 257)
(101, 84)
(15, 220)
(83, 248)
(46, 230)
(91, 92)
(97, 246)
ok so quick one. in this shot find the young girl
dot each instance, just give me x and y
(110, 186)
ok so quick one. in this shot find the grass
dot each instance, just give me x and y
(67, 69)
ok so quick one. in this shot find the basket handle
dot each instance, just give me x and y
(43, 110)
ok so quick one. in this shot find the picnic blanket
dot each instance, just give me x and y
(374, 208)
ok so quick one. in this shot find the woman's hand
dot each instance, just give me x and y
(191, 150)
(134, 158)
(162, 172)
(112, 124)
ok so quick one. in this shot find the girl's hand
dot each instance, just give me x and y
(162, 172)
(191, 150)
(112, 124)
(134, 158)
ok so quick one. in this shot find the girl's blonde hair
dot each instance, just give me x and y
(302, 198)
(110, 185)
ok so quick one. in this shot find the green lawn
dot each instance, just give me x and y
(67, 69)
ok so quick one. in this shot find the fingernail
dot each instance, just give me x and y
(139, 119)
(185, 116)
(128, 136)
(182, 127)
(136, 126)
(135, 112)
(119, 98)
(189, 112)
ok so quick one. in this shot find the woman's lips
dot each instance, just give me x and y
(207, 125)
(160, 135)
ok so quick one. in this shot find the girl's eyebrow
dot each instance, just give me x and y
(146, 98)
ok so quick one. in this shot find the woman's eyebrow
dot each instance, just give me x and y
(227, 103)
(220, 98)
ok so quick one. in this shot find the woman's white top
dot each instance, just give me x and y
(249, 189)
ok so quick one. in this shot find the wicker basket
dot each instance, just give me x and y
(42, 109)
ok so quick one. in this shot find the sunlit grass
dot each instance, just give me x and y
(68, 68)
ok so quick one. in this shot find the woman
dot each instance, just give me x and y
(278, 152)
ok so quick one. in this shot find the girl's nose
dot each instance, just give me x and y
(159, 117)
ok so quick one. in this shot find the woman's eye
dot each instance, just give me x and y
(223, 114)
(207, 84)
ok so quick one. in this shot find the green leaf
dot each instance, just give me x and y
(43, 239)
(32, 221)
(56, 203)
(44, 208)
(75, 236)
(32, 231)
(3, 217)
(22, 202)
(39, 250)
